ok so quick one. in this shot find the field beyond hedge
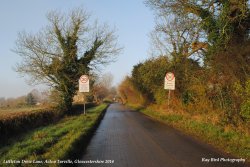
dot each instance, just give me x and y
(15, 110)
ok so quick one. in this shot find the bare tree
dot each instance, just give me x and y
(67, 48)
(225, 22)
(102, 88)
(178, 38)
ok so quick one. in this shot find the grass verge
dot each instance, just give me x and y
(230, 141)
(63, 140)
(14, 124)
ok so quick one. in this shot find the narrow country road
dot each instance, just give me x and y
(130, 139)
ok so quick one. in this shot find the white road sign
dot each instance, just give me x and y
(169, 81)
(84, 83)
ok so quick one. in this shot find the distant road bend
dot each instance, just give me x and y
(127, 138)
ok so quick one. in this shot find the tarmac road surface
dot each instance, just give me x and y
(128, 138)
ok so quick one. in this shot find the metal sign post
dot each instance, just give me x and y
(83, 99)
(84, 107)
(169, 84)
(84, 87)
(168, 96)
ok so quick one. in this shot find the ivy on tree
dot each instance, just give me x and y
(67, 48)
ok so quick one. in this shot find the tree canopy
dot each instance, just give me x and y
(64, 50)
(225, 22)
(205, 43)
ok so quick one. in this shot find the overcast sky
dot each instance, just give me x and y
(132, 18)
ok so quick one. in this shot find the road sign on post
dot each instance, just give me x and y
(84, 85)
(169, 83)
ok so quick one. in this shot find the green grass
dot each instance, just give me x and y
(53, 142)
(230, 141)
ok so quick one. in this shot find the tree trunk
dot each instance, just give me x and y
(66, 103)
